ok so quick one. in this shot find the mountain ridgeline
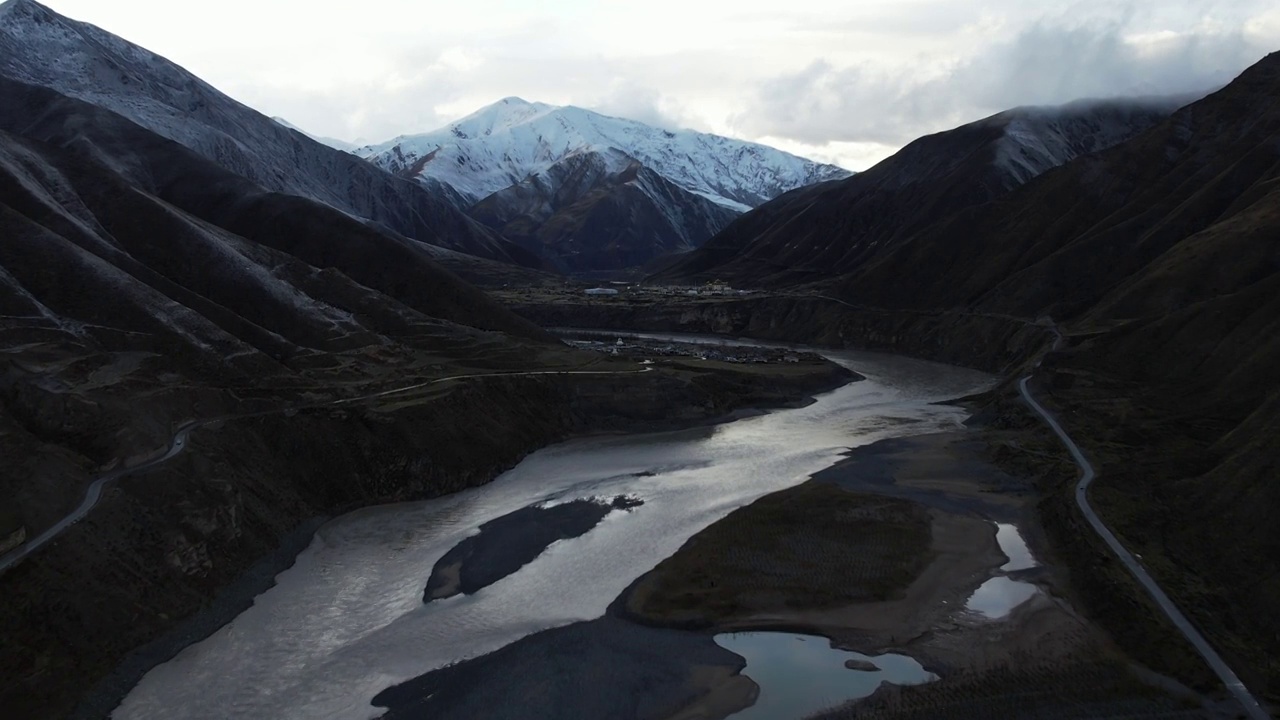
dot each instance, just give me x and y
(41, 47)
(596, 211)
(148, 223)
(592, 192)
(662, 191)
(829, 229)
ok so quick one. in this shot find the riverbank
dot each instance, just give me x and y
(161, 547)
(948, 477)
(1152, 438)
(605, 668)
(229, 602)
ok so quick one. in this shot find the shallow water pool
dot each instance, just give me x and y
(799, 675)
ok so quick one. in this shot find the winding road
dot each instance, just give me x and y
(181, 438)
(1229, 679)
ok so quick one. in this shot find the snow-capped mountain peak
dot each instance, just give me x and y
(501, 144)
(40, 47)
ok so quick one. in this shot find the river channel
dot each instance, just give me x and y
(348, 619)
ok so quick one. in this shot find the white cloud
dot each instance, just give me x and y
(1048, 61)
(846, 80)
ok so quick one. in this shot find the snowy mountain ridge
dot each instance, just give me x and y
(40, 47)
(502, 144)
(598, 211)
(1039, 138)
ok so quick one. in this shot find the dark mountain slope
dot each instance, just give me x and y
(82, 61)
(141, 287)
(600, 211)
(1062, 243)
(139, 189)
(833, 228)
(1160, 258)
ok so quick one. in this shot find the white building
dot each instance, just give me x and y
(601, 291)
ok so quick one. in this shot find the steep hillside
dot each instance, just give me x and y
(502, 144)
(1158, 257)
(118, 242)
(599, 211)
(837, 227)
(39, 46)
(595, 193)
(1166, 246)
(119, 170)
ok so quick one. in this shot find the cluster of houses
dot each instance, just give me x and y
(723, 353)
(713, 288)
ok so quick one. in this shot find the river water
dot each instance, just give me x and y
(347, 620)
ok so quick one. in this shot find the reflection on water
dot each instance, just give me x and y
(348, 619)
(799, 675)
(1014, 547)
(1000, 595)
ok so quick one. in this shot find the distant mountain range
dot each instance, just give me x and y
(575, 190)
(110, 229)
(79, 60)
(502, 144)
(589, 191)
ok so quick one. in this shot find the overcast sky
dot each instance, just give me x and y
(846, 81)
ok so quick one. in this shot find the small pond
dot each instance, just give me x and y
(799, 675)
(1000, 595)
(1013, 546)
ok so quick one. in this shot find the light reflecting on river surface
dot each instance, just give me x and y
(799, 675)
(348, 619)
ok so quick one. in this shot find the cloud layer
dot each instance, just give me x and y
(1044, 63)
(842, 80)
